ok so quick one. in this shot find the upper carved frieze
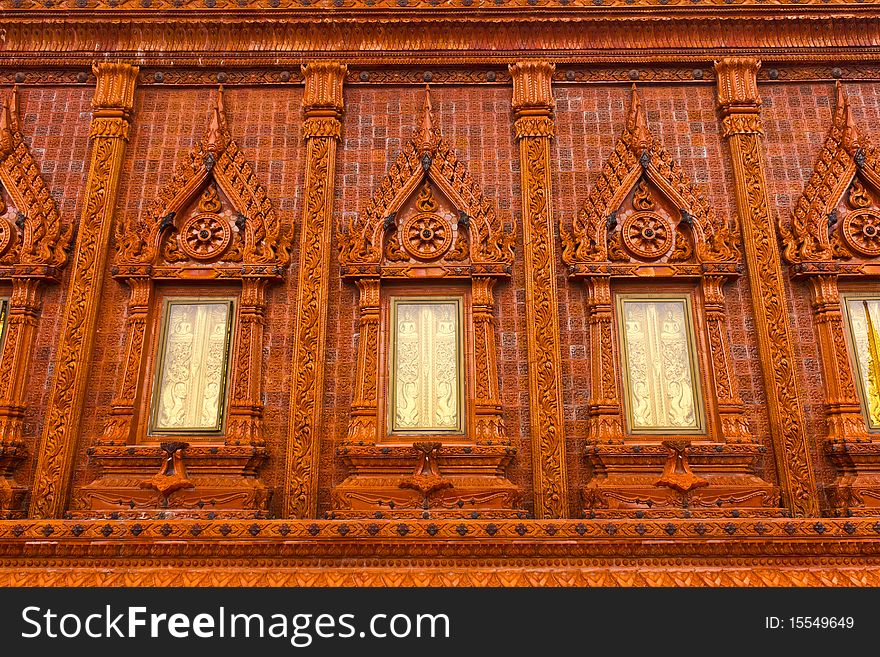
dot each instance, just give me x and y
(31, 232)
(428, 213)
(213, 213)
(644, 209)
(837, 218)
(458, 5)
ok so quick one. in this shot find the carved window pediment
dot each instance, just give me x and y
(643, 211)
(32, 238)
(214, 214)
(428, 216)
(836, 221)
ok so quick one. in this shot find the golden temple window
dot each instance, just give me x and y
(4, 318)
(863, 317)
(660, 373)
(426, 390)
(190, 387)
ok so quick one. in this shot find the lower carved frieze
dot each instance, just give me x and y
(640, 480)
(375, 552)
(142, 481)
(461, 482)
(856, 490)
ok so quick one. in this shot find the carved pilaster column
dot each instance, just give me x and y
(605, 409)
(487, 398)
(533, 109)
(245, 404)
(740, 110)
(122, 422)
(111, 121)
(364, 423)
(734, 428)
(322, 107)
(844, 413)
(21, 322)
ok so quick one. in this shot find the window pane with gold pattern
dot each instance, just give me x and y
(190, 386)
(4, 319)
(864, 326)
(426, 379)
(660, 376)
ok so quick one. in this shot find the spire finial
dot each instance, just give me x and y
(6, 131)
(843, 119)
(425, 137)
(214, 140)
(636, 123)
(14, 114)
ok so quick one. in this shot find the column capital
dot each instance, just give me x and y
(323, 93)
(115, 86)
(737, 79)
(532, 91)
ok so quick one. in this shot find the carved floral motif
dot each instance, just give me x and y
(737, 92)
(113, 100)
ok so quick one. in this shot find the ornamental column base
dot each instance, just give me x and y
(202, 481)
(856, 490)
(653, 480)
(461, 481)
(13, 496)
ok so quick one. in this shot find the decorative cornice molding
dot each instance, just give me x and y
(403, 7)
(75, 38)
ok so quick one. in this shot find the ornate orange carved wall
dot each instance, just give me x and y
(532, 96)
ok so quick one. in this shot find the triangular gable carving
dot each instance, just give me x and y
(427, 172)
(838, 215)
(31, 232)
(185, 225)
(665, 217)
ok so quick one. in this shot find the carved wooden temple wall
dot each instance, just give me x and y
(343, 292)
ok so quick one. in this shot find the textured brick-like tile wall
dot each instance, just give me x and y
(589, 120)
(476, 119)
(378, 121)
(266, 124)
(55, 123)
(797, 117)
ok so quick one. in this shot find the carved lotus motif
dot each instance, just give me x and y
(426, 236)
(647, 235)
(205, 236)
(861, 230)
